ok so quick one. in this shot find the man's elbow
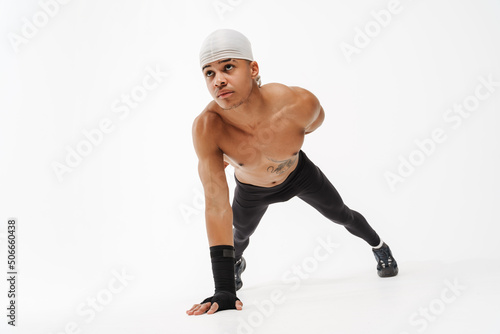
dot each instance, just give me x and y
(317, 122)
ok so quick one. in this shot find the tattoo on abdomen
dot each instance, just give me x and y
(282, 167)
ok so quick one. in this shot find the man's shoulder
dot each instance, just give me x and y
(278, 89)
(290, 94)
(293, 101)
(207, 121)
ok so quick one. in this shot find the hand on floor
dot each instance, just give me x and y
(198, 309)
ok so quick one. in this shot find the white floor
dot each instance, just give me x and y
(431, 297)
(363, 303)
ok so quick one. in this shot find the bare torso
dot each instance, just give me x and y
(264, 150)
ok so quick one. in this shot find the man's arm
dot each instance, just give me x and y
(311, 114)
(218, 215)
(218, 212)
(316, 122)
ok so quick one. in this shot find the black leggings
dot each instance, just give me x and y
(309, 184)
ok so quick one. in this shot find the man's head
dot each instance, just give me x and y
(227, 63)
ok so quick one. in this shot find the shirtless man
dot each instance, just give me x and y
(259, 130)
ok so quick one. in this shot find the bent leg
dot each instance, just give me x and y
(245, 221)
(323, 196)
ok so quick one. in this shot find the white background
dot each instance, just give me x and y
(133, 204)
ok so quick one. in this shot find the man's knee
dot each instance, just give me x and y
(345, 217)
(238, 235)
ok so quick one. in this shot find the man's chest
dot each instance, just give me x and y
(269, 144)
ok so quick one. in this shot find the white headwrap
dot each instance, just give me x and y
(223, 44)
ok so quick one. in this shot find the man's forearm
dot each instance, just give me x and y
(219, 225)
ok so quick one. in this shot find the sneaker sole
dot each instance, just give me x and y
(388, 272)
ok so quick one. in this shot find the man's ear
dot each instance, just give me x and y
(254, 69)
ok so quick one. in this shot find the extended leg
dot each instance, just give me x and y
(323, 196)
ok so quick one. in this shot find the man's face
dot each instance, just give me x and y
(230, 81)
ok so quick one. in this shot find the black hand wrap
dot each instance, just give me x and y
(223, 271)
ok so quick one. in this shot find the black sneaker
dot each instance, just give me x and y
(239, 267)
(386, 264)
